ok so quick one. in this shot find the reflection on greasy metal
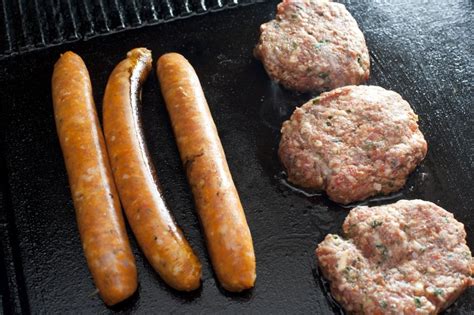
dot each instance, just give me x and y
(30, 25)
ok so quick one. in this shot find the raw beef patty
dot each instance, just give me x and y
(313, 46)
(353, 142)
(409, 257)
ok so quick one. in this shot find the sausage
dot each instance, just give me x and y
(161, 240)
(227, 234)
(97, 205)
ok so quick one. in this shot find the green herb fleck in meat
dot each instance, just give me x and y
(383, 304)
(383, 251)
(294, 45)
(299, 7)
(328, 123)
(294, 16)
(348, 111)
(375, 223)
(350, 274)
(323, 75)
(368, 145)
(438, 292)
(316, 100)
(417, 302)
(321, 43)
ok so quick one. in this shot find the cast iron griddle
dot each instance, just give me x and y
(421, 50)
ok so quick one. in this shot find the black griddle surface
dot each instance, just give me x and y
(423, 50)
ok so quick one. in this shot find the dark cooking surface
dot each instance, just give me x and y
(424, 52)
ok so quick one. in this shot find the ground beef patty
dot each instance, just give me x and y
(354, 142)
(313, 46)
(409, 257)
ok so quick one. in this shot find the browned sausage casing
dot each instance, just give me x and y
(160, 239)
(98, 212)
(227, 233)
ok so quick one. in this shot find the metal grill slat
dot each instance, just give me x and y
(6, 30)
(71, 16)
(27, 25)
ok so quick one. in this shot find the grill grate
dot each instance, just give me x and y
(27, 25)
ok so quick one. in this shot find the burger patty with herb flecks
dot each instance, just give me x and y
(409, 257)
(353, 142)
(313, 46)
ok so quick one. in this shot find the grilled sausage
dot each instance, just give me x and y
(227, 233)
(97, 205)
(160, 239)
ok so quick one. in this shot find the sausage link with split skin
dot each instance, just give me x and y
(161, 240)
(228, 236)
(99, 217)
